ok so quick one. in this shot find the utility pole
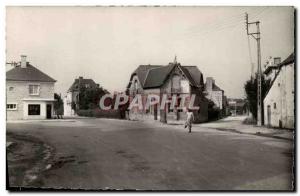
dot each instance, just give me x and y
(256, 36)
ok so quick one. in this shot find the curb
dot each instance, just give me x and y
(257, 134)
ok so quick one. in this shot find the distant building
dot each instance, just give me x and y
(279, 101)
(215, 94)
(29, 93)
(237, 107)
(172, 79)
(226, 111)
(72, 97)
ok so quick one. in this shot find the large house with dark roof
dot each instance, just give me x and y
(279, 102)
(171, 79)
(29, 93)
(72, 96)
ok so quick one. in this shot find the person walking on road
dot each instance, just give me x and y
(189, 120)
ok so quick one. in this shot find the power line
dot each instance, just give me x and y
(227, 21)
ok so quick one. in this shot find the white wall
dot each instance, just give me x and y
(21, 91)
(68, 111)
(281, 93)
(216, 97)
(42, 110)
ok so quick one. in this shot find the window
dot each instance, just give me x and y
(34, 109)
(34, 89)
(184, 85)
(135, 85)
(274, 105)
(11, 88)
(11, 106)
(87, 85)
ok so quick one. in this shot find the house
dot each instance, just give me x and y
(172, 79)
(29, 92)
(72, 96)
(237, 106)
(215, 94)
(279, 106)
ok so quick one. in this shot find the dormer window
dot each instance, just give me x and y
(34, 89)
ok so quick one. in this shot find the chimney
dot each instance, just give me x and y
(23, 61)
(80, 78)
(277, 60)
(209, 83)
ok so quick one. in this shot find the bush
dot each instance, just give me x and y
(87, 113)
(214, 113)
(251, 92)
(100, 113)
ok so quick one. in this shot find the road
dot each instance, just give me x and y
(119, 154)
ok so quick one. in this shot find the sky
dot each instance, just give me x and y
(108, 43)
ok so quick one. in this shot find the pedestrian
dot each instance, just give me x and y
(189, 120)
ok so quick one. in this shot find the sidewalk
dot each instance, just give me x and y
(235, 124)
(41, 120)
(64, 119)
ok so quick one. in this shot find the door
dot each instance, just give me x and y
(49, 111)
(155, 112)
(269, 115)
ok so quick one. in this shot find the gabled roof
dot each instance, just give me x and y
(152, 76)
(216, 88)
(269, 68)
(30, 73)
(195, 74)
(142, 71)
(83, 82)
(157, 76)
(289, 60)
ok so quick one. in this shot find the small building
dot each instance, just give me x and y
(72, 96)
(215, 94)
(238, 107)
(29, 92)
(279, 102)
(172, 79)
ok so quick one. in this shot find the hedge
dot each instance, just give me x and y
(100, 113)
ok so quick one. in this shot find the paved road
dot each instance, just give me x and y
(116, 154)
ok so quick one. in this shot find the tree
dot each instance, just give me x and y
(251, 93)
(213, 111)
(89, 97)
(58, 105)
